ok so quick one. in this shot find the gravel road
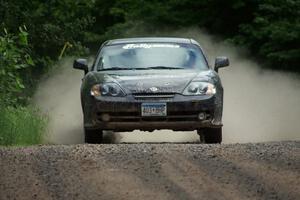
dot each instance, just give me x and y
(151, 171)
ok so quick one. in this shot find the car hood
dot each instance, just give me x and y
(154, 81)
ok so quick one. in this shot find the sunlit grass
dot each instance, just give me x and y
(21, 126)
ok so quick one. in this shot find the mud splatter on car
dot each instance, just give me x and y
(149, 84)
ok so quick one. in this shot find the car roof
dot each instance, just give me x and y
(151, 39)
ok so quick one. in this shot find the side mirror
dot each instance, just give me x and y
(221, 62)
(81, 64)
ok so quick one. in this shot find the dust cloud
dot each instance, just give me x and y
(58, 95)
(259, 105)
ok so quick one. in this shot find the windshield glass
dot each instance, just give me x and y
(151, 56)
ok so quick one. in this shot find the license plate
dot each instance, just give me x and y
(154, 109)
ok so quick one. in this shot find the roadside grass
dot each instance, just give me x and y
(21, 126)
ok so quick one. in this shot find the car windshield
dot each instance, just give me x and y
(151, 56)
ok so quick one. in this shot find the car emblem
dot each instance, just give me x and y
(153, 89)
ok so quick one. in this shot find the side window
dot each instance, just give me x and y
(100, 63)
(98, 60)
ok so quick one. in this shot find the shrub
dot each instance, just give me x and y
(14, 57)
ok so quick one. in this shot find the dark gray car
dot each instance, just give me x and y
(152, 83)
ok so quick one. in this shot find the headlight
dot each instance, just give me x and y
(199, 88)
(107, 89)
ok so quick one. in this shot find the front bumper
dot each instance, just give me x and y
(125, 113)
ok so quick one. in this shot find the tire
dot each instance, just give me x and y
(211, 135)
(93, 136)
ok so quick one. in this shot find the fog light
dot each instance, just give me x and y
(105, 117)
(202, 116)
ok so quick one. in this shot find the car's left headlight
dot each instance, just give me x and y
(107, 89)
(199, 88)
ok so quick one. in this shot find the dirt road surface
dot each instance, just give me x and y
(151, 171)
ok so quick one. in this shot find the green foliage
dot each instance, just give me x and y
(78, 49)
(215, 15)
(50, 24)
(276, 27)
(21, 126)
(269, 29)
(15, 57)
(18, 124)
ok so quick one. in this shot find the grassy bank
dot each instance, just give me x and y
(21, 126)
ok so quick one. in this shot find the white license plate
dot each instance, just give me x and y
(154, 109)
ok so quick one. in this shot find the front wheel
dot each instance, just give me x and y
(210, 135)
(93, 136)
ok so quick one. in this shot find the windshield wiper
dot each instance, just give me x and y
(139, 68)
(164, 67)
(116, 68)
(123, 68)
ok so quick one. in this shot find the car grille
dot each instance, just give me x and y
(153, 96)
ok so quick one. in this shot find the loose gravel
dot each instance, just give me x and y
(151, 171)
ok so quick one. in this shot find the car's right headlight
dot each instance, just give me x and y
(107, 89)
(199, 88)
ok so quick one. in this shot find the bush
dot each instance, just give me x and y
(276, 28)
(21, 126)
(14, 57)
